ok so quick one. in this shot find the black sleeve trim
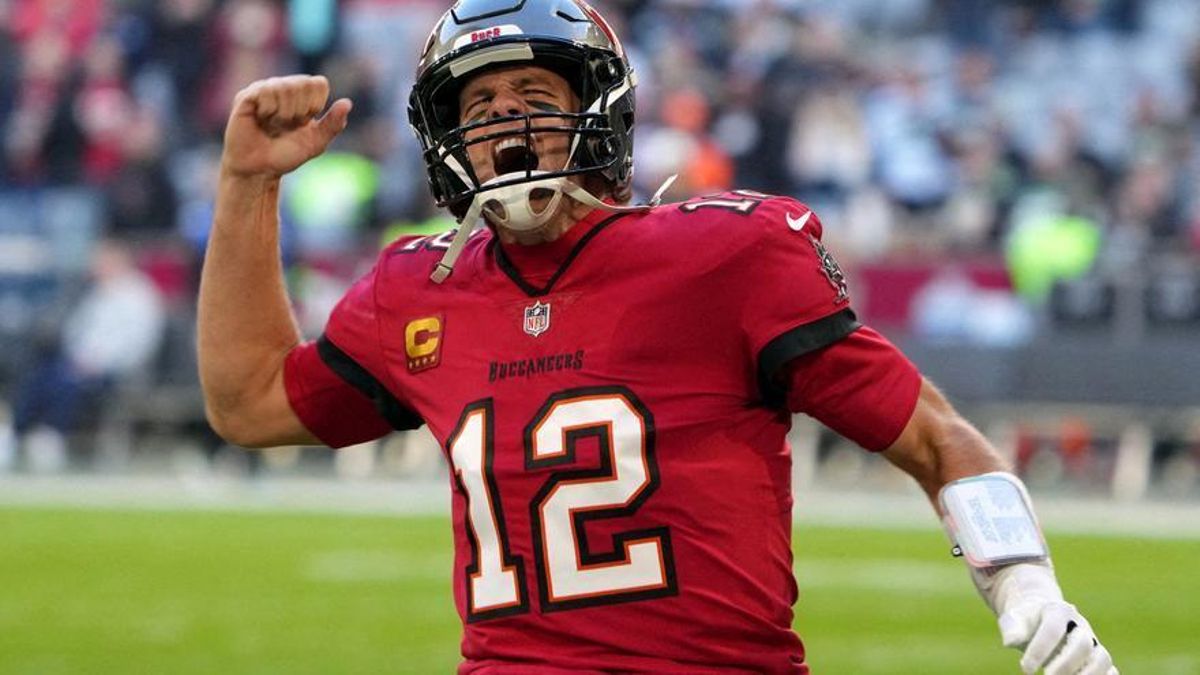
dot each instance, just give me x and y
(396, 414)
(799, 341)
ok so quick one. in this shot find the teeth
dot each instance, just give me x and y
(512, 154)
(510, 143)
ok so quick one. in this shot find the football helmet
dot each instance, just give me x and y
(567, 37)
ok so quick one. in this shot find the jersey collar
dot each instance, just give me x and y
(528, 264)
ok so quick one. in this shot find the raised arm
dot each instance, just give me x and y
(245, 326)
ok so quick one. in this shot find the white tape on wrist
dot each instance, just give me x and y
(990, 519)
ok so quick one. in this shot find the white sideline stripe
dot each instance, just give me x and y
(190, 493)
(814, 507)
(886, 575)
(1070, 515)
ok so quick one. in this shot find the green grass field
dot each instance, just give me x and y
(113, 591)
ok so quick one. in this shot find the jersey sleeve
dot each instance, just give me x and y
(336, 384)
(795, 296)
(861, 386)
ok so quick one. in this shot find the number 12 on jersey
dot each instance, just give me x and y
(640, 565)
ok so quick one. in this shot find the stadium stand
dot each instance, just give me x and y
(1013, 187)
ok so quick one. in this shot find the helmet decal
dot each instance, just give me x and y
(603, 25)
(486, 34)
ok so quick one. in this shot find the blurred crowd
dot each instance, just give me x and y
(966, 156)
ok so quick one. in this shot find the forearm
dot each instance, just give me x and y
(961, 451)
(244, 322)
(938, 446)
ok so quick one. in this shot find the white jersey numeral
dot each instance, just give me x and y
(636, 565)
(742, 206)
(493, 582)
(566, 502)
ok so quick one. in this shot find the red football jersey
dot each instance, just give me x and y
(613, 407)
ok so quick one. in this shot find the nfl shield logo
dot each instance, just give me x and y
(537, 318)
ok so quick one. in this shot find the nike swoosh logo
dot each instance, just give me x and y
(798, 224)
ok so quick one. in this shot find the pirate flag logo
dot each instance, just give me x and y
(831, 269)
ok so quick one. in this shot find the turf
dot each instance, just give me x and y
(111, 591)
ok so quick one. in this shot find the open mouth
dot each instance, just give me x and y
(512, 154)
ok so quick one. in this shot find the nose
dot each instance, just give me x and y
(506, 103)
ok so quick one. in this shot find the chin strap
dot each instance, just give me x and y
(466, 227)
(470, 220)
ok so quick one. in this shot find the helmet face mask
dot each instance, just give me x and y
(565, 37)
(532, 130)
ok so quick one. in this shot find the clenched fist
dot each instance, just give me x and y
(274, 125)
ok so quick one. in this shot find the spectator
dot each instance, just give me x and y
(109, 337)
(141, 197)
(181, 30)
(1048, 244)
(682, 146)
(41, 138)
(249, 44)
(103, 110)
(829, 154)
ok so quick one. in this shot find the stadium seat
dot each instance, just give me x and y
(1173, 299)
(1087, 302)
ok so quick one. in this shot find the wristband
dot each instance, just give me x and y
(990, 520)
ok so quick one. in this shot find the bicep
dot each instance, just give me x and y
(860, 386)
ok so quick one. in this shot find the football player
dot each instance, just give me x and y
(611, 383)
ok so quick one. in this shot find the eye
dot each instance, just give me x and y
(538, 93)
(542, 99)
(477, 108)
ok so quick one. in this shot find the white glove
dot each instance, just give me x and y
(1034, 617)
